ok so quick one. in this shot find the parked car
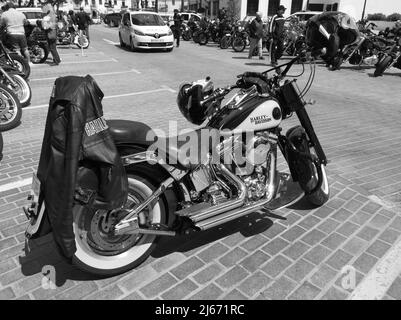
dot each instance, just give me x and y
(303, 16)
(144, 30)
(32, 14)
(188, 15)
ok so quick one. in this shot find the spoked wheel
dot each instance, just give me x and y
(21, 89)
(239, 44)
(82, 42)
(10, 109)
(99, 250)
(21, 64)
(38, 53)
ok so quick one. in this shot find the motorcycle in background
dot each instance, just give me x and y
(390, 58)
(37, 43)
(13, 59)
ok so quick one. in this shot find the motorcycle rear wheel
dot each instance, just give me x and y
(102, 253)
(224, 42)
(10, 109)
(382, 65)
(39, 53)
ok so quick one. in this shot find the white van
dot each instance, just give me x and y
(32, 14)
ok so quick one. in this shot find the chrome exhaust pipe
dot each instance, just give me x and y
(211, 211)
(216, 220)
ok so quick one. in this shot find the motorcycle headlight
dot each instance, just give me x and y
(139, 33)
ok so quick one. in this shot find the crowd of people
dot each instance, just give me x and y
(14, 22)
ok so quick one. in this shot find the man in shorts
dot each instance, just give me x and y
(14, 22)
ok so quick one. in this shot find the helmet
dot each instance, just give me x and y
(189, 98)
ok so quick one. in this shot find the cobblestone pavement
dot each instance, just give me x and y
(357, 117)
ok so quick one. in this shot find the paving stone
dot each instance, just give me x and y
(180, 291)
(379, 221)
(306, 291)
(355, 245)
(6, 294)
(235, 295)
(353, 205)
(328, 226)
(166, 262)
(138, 278)
(371, 207)
(309, 222)
(274, 230)
(254, 243)
(387, 213)
(133, 296)
(333, 241)
(158, 286)
(341, 215)
(347, 228)
(345, 276)
(211, 292)
(367, 233)
(232, 277)
(78, 292)
(11, 276)
(323, 276)
(208, 273)
(293, 233)
(233, 239)
(215, 251)
(334, 294)
(110, 293)
(299, 270)
(186, 268)
(317, 254)
(339, 259)
(313, 237)
(279, 289)
(365, 263)
(291, 219)
(395, 289)
(396, 224)
(276, 266)
(296, 250)
(254, 261)
(254, 283)
(347, 194)
(378, 248)
(389, 235)
(360, 218)
(232, 257)
(323, 212)
(6, 243)
(7, 265)
(275, 246)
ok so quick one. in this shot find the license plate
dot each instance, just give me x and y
(156, 40)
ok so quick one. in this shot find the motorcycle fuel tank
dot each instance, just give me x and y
(256, 114)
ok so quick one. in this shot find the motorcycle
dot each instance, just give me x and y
(65, 37)
(37, 43)
(389, 58)
(240, 39)
(13, 59)
(233, 174)
(13, 79)
(186, 32)
(10, 109)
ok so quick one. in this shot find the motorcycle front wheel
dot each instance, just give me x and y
(39, 53)
(10, 109)
(21, 64)
(225, 42)
(382, 65)
(21, 89)
(82, 42)
(101, 252)
(239, 44)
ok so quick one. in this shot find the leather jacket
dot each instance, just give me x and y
(79, 164)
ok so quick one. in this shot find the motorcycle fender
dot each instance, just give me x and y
(301, 168)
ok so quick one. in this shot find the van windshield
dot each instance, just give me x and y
(144, 19)
(34, 15)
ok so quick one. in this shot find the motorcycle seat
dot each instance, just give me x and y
(185, 151)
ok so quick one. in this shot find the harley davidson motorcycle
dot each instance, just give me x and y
(231, 169)
(13, 59)
(11, 78)
(37, 43)
(10, 109)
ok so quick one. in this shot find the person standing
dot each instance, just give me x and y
(72, 25)
(276, 30)
(14, 22)
(177, 26)
(49, 25)
(83, 21)
(256, 35)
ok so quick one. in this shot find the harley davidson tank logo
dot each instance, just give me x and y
(95, 126)
(260, 119)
